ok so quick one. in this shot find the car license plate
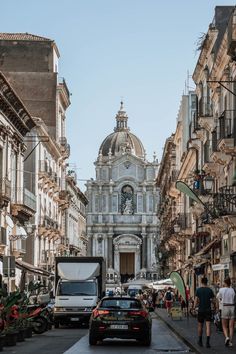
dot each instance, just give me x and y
(74, 319)
(119, 326)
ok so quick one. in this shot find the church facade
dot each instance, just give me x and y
(122, 224)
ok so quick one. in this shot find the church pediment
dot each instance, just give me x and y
(128, 167)
(127, 240)
(128, 159)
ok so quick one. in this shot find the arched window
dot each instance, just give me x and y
(127, 200)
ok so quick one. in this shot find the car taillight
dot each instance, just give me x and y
(97, 313)
(141, 313)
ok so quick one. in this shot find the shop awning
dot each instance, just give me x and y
(206, 249)
(31, 268)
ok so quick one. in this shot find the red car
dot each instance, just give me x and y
(120, 317)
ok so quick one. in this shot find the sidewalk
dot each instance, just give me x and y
(186, 329)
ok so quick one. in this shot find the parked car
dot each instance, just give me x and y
(120, 317)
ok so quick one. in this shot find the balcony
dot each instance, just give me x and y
(224, 202)
(5, 192)
(205, 113)
(25, 207)
(227, 133)
(232, 37)
(64, 199)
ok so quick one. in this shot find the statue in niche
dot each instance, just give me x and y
(127, 206)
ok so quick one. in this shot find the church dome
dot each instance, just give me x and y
(122, 140)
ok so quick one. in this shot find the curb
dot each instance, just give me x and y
(186, 341)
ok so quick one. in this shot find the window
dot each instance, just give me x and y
(104, 203)
(96, 203)
(121, 304)
(150, 203)
(71, 288)
(114, 203)
(140, 203)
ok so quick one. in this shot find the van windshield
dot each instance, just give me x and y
(77, 288)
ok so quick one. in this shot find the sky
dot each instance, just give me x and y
(140, 51)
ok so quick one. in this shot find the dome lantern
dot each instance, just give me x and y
(121, 119)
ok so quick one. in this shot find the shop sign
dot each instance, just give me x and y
(220, 266)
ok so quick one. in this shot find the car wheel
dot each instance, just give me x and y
(92, 339)
(148, 340)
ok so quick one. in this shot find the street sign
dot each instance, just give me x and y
(9, 266)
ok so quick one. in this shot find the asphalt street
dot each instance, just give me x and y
(75, 340)
(163, 341)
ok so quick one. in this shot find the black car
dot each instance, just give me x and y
(120, 317)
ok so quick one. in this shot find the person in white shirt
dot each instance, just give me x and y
(226, 297)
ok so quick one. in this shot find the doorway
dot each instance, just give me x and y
(127, 269)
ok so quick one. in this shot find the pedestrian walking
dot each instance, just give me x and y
(168, 298)
(204, 299)
(226, 296)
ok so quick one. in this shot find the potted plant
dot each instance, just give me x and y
(10, 336)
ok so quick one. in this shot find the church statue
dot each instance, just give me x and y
(128, 207)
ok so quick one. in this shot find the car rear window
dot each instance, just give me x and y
(121, 303)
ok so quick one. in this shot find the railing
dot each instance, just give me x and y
(226, 121)
(29, 199)
(224, 202)
(49, 222)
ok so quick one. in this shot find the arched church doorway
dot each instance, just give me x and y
(127, 266)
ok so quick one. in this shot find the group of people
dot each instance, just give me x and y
(223, 303)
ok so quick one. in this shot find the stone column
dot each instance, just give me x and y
(110, 251)
(90, 245)
(149, 251)
(144, 250)
(117, 259)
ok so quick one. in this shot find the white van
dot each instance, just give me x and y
(133, 290)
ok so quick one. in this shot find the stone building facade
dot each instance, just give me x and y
(200, 219)
(122, 225)
(31, 65)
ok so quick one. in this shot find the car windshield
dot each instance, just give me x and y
(121, 304)
(77, 289)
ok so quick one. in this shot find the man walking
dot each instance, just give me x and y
(203, 299)
(226, 296)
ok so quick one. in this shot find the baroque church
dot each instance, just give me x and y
(122, 224)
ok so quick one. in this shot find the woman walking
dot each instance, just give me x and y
(227, 298)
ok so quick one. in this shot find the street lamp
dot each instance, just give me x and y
(208, 183)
